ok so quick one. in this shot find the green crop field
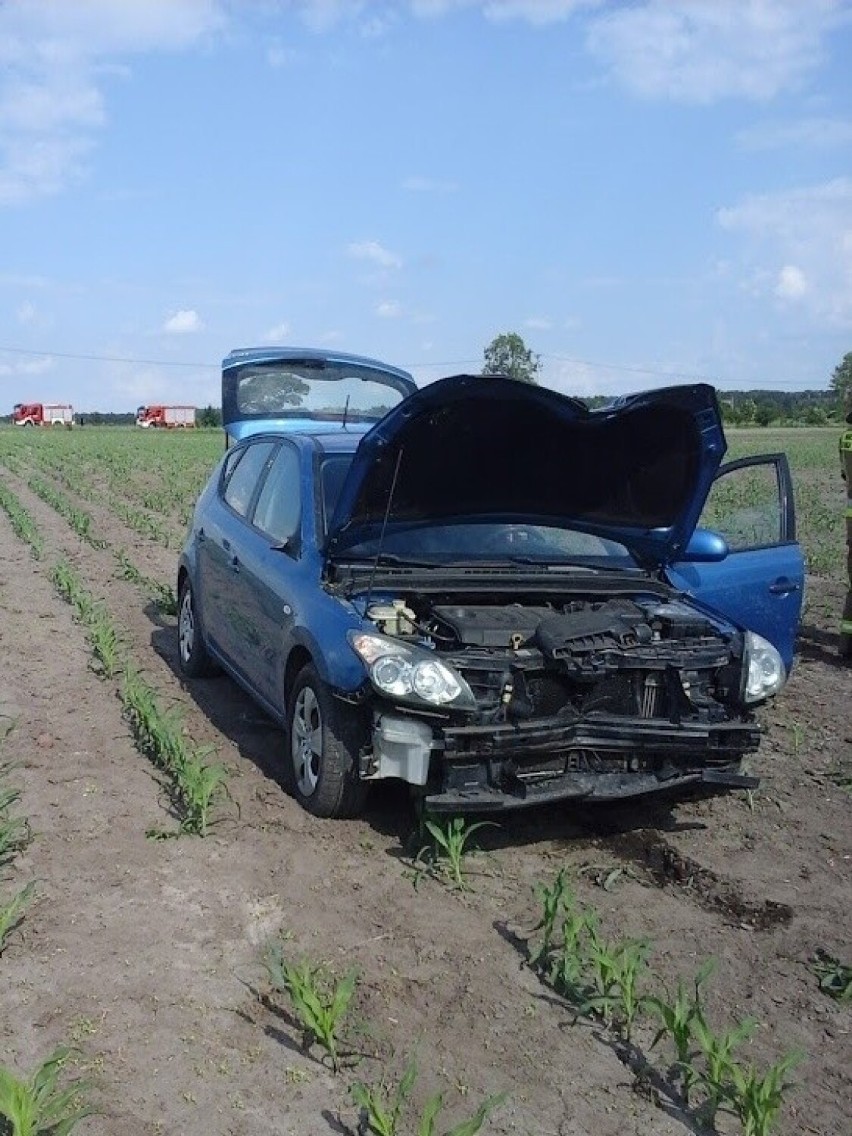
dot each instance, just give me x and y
(150, 479)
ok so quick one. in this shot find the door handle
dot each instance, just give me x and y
(783, 587)
(235, 563)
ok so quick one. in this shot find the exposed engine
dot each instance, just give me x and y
(636, 658)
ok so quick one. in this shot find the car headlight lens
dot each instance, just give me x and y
(763, 669)
(410, 674)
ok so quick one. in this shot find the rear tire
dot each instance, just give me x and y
(324, 738)
(194, 659)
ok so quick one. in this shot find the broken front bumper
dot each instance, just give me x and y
(597, 758)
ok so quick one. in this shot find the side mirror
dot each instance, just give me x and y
(290, 545)
(705, 547)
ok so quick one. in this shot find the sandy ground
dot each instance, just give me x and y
(147, 953)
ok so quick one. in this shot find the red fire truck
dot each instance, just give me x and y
(43, 414)
(166, 416)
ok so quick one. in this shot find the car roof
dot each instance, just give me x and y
(334, 442)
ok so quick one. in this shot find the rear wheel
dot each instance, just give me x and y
(195, 662)
(324, 738)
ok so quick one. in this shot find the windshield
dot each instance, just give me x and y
(489, 542)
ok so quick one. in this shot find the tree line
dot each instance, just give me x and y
(507, 354)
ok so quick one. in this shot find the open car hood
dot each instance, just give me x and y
(488, 448)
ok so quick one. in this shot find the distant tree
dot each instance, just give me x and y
(841, 381)
(209, 416)
(507, 354)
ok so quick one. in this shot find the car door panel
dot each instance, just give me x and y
(220, 564)
(760, 583)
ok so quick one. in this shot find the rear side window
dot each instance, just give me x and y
(244, 474)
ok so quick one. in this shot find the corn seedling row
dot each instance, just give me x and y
(196, 785)
(606, 980)
(162, 595)
(22, 523)
(15, 834)
(79, 520)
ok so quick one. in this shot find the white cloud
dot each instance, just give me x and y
(28, 366)
(792, 283)
(389, 309)
(277, 55)
(705, 50)
(278, 334)
(538, 323)
(798, 245)
(813, 133)
(373, 251)
(429, 185)
(25, 313)
(53, 56)
(536, 12)
(183, 322)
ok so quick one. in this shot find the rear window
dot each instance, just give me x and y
(298, 390)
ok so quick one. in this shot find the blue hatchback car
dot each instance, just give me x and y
(485, 589)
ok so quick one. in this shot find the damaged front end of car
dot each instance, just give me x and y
(493, 702)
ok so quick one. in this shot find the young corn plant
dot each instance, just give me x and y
(15, 834)
(717, 1050)
(553, 900)
(382, 1106)
(450, 848)
(319, 1003)
(199, 786)
(567, 968)
(677, 1021)
(12, 913)
(106, 643)
(382, 1109)
(631, 967)
(756, 1097)
(38, 1106)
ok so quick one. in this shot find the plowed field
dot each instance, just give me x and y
(144, 949)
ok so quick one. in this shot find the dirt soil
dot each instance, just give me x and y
(147, 953)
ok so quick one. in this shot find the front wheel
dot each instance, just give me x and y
(324, 738)
(195, 661)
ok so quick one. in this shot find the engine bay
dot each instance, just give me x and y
(635, 657)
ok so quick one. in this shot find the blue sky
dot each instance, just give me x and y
(648, 192)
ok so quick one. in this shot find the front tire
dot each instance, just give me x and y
(195, 662)
(323, 742)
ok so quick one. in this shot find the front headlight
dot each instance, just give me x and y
(410, 674)
(763, 669)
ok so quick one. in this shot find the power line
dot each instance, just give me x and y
(768, 384)
(93, 358)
